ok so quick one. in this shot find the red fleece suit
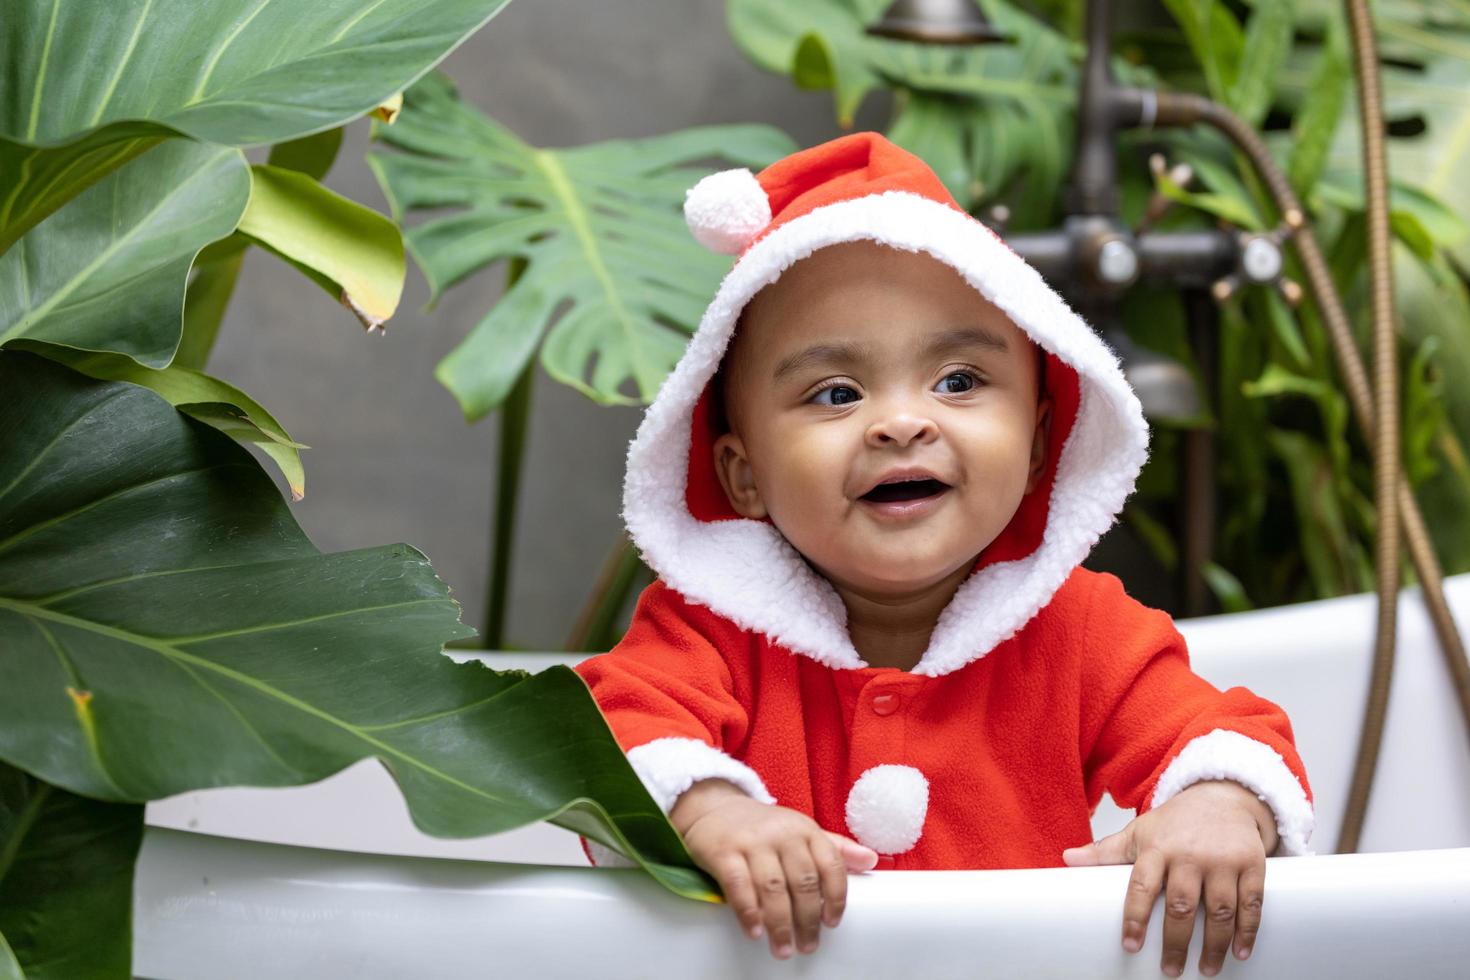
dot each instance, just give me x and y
(1094, 694)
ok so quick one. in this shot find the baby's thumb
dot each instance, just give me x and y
(857, 857)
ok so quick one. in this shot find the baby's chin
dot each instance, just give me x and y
(885, 575)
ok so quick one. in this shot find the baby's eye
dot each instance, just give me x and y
(840, 395)
(957, 382)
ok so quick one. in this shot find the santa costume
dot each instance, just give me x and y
(1044, 684)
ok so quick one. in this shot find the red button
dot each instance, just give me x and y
(885, 704)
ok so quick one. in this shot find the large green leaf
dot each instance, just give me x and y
(351, 251)
(600, 226)
(66, 881)
(1438, 160)
(108, 273)
(88, 85)
(208, 399)
(168, 627)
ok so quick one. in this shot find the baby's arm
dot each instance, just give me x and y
(1214, 776)
(668, 696)
(1213, 836)
(779, 870)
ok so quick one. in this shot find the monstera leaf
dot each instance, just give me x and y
(108, 274)
(89, 86)
(66, 882)
(599, 226)
(167, 627)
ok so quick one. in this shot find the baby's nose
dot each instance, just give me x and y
(901, 428)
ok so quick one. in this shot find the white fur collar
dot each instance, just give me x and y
(746, 570)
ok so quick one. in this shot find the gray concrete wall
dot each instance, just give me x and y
(392, 458)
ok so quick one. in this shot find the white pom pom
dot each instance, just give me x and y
(726, 210)
(886, 808)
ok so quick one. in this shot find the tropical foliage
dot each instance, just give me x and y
(166, 626)
(1294, 483)
(594, 232)
(1295, 513)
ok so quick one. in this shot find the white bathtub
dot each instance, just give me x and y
(332, 880)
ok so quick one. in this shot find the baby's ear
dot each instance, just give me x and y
(1039, 440)
(736, 477)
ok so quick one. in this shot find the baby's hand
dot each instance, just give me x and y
(1216, 833)
(778, 868)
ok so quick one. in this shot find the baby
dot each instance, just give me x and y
(866, 490)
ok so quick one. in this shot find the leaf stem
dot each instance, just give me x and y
(515, 415)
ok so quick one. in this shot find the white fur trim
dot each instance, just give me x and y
(669, 766)
(1224, 754)
(746, 571)
(726, 210)
(886, 808)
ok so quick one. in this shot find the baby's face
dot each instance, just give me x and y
(863, 365)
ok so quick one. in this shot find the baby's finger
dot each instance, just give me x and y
(1181, 902)
(1143, 888)
(1220, 895)
(833, 869)
(770, 887)
(857, 857)
(733, 874)
(805, 885)
(1248, 909)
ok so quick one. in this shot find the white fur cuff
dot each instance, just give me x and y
(1223, 754)
(669, 766)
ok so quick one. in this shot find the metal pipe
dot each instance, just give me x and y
(1183, 109)
(1386, 463)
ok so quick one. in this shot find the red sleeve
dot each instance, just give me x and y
(1152, 727)
(665, 677)
(667, 694)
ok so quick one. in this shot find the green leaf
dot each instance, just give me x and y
(1215, 38)
(312, 155)
(819, 43)
(167, 627)
(1264, 51)
(1316, 120)
(1236, 210)
(1159, 539)
(9, 965)
(351, 251)
(88, 86)
(600, 226)
(1442, 226)
(996, 122)
(212, 401)
(1227, 588)
(1423, 413)
(212, 282)
(982, 117)
(66, 881)
(1286, 329)
(108, 274)
(1433, 302)
(1326, 544)
(1436, 160)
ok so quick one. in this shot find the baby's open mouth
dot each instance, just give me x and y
(905, 490)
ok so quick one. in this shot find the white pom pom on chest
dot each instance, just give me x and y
(886, 808)
(726, 210)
